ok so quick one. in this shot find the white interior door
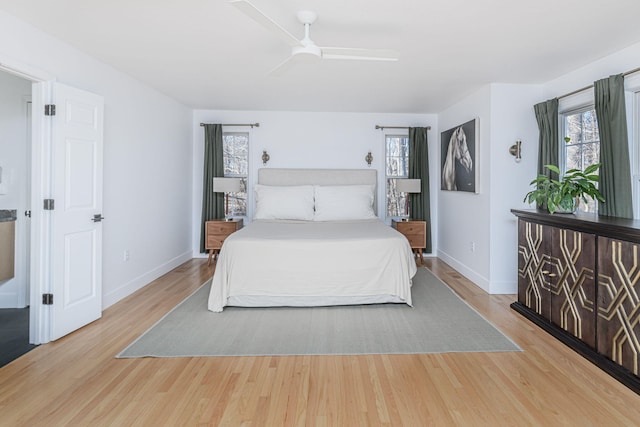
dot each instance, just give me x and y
(76, 239)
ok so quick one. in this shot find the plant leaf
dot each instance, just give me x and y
(553, 168)
(590, 169)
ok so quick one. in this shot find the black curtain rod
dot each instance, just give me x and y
(397, 127)
(635, 70)
(257, 125)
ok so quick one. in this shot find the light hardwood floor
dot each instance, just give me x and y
(76, 381)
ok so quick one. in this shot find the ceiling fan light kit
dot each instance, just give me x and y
(306, 47)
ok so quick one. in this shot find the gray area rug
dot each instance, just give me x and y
(438, 322)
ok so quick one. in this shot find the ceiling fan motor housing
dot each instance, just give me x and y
(309, 50)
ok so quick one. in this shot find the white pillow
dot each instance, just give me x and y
(286, 202)
(344, 202)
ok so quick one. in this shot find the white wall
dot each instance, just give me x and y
(309, 140)
(512, 118)
(616, 63)
(506, 114)
(147, 159)
(14, 193)
(464, 217)
(477, 233)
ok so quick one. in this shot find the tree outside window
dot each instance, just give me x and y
(396, 167)
(236, 164)
(581, 145)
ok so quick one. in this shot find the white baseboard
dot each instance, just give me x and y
(504, 287)
(143, 280)
(490, 287)
(470, 274)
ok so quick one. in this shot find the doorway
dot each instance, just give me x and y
(66, 155)
(15, 196)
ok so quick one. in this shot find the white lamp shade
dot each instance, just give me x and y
(226, 185)
(408, 185)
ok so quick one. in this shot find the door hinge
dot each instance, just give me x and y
(49, 204)
(50, 110)
(47, 299)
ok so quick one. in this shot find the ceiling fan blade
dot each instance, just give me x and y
(359, 54)
(254, 13)
(285, 65)
(294, 61)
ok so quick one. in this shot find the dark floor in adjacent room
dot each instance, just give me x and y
(14, 334)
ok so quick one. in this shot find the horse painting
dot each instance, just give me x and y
(458, 172)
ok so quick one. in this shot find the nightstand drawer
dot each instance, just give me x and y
(215, 241)
(221, 227)
(416, 240)
(415, 231)
(410, 227)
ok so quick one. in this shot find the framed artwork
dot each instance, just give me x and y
(459, 158)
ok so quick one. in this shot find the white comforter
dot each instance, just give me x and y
(303, 263)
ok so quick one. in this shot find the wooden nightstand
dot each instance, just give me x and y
(216, 231)
(415, 232)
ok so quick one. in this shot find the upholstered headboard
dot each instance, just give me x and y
(274, 176)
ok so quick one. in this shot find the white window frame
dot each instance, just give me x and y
(563, 133)
(387, 177)
(562, 157)
(580, 101)
(246, 177)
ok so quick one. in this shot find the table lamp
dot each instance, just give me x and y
(226, 185)
(408, 186)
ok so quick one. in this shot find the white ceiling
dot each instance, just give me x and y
(207, 54)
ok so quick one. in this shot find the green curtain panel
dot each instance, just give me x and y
(212, 203)
(615, 172)
(548, 149)
(419, 169)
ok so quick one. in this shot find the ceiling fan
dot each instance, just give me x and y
(305, 48)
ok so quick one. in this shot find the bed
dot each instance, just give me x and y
(315, 241)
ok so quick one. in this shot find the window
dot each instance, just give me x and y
(397, 167)
(236, 164)
(580, 146)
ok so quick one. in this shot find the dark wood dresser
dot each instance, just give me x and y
(579, 279)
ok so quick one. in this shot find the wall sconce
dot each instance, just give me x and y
(368, 158)
(516, 150)
(265, 157)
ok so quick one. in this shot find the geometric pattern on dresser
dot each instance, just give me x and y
(556, 277)
(573, 283)
(619, 302)
(533, 267)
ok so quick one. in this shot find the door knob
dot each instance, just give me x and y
(97, 218)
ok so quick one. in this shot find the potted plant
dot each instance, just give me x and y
(563, 195)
